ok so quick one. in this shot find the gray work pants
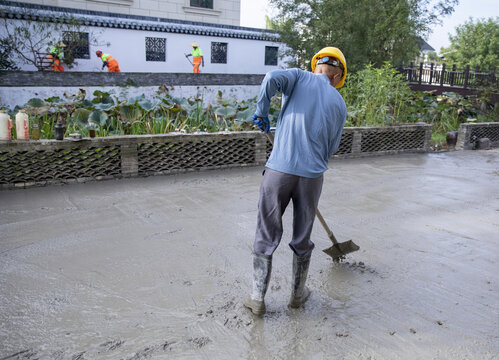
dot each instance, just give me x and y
(276, 190)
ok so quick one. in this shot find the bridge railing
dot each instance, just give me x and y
(443, 75)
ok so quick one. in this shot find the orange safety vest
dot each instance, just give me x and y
(106, 57)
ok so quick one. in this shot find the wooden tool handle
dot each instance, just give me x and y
(323, 222)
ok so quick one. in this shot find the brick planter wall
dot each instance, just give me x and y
(468, 133)
(38, 163)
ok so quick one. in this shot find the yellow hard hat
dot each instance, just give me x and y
(334, 52)
(61, 44)
(194, 44)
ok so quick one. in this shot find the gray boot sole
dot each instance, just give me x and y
(256, 307)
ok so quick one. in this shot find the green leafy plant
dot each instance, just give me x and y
(374, 97)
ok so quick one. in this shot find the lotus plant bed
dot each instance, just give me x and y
(37, 163)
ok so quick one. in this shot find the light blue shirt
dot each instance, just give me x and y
(310, 123)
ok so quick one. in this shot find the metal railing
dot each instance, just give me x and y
(442, 75)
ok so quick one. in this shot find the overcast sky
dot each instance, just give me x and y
(253, 15)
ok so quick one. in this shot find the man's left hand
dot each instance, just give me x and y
(262, 122)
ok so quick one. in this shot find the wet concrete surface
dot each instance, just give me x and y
(157, 268)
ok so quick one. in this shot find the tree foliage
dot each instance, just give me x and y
(367, 31)
(6, 60)
(475, 44)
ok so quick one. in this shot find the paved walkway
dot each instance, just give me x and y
(157, 267)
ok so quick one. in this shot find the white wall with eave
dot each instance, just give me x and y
(244, 56)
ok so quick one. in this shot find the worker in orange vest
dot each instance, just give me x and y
(55, 56)
(109, 61)
(197, 57)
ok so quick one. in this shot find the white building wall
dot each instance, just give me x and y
(244, 56)
(225, 12)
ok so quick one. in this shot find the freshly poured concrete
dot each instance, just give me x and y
(158, 267)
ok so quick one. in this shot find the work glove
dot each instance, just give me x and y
(262, 122)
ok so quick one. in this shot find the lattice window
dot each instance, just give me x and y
(218, 53)
(490, 132)
(271, 55)
(155, 49)
(345, 143)
(207, 4)
(392, 140)
(175, 156)
(77, 44)
(60, 164)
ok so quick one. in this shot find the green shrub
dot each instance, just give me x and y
(381, 96)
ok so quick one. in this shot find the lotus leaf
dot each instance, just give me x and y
(54, 100)
(35, 102)
(180, 101)
(225, 111)
(98, 117)
(102, 100)
(245, 115)
(147, 105)
(135, 99)
(80, 115)
(103, 106)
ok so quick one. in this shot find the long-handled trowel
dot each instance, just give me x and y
(338, 250)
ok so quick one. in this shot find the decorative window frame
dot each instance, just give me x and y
(165, 48)
(226, 47)
(267, 47)
(85, 46)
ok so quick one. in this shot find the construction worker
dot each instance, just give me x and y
(197, 57)
(55, 56)
(307, 134)
(109, 61)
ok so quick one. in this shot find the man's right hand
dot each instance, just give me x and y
(262, 122)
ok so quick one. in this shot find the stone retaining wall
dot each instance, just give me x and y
(38, 163)
(469, 133)
(82, 79)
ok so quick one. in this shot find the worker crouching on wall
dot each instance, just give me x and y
(55, 56)
(109, 61)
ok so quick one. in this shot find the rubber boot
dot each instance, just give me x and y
(299, 292)
(262, 266)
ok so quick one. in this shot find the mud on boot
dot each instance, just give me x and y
(299, 292)
(262, 267)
